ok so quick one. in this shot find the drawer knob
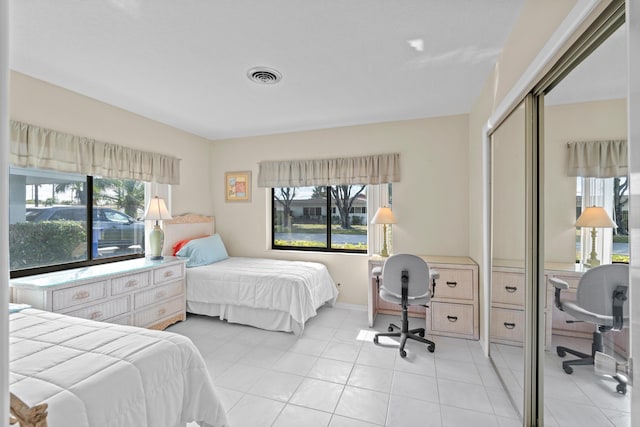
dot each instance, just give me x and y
(452, 318)
(509, 325)
(168, 273)
(511, 289)
(95, 315)
(160, 294)
(131, 283)
(162, 311)
(452, 284)
(81, 295)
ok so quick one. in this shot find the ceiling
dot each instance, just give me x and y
(343, 62)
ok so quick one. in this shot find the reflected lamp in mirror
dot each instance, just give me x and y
(156, 211)
(384, 216)
(594, 217)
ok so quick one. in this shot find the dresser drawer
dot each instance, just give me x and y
(507, 288)
(123, 284)
(69, 297)
(457, 284)
(167, 274)
(507, 324)
(158, 312)
(452, 318)
(103, 311)
(158, 294)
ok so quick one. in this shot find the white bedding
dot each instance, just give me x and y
(298, 288)
(98, 374)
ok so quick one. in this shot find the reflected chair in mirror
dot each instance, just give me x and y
(601, 299)
(406, 281)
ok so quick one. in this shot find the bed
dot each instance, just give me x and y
(87, 373)
(266, 293)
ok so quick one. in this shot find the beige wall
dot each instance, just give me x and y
(40, 103)
(430, 203)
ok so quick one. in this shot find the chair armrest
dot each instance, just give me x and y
(559, 285)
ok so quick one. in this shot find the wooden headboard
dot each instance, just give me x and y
(185, 227)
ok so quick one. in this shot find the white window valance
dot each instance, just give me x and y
(35, 147)
(598, 159)
(374, 169)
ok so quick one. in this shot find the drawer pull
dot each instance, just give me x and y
(168, 273)
(511, 289)
(95, 315)
(131, 283)
(452, 318)
(452, 284)
(509, 325)
(161, 294)
(81, 295)
(162, 311)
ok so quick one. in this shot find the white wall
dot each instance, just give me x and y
(430, 203)
(40, 103)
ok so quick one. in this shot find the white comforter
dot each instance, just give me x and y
(294, 287)
(97, 374)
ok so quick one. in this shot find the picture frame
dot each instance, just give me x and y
(237, 186)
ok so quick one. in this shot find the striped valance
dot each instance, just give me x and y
(598, 159)
(35, 147)
(374, 169)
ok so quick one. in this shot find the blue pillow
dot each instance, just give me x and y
(203, 251)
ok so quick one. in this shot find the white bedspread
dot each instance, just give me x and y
(295, 287)
(95, 374)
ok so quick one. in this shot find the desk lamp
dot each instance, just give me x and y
(156, 211)
(384, 216)
(594, 217)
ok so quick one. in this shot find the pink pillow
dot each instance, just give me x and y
(178, 245)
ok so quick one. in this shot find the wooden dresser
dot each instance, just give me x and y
(454, 309)
(139, 292)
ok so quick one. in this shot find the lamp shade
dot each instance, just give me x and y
(157, 210)
(383, 216)
(596, 217)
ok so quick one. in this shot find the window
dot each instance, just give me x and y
(300, 220)
(52, 229)
(613, 195)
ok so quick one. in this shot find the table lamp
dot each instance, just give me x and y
(156, 211)
(384, 216)
(594, 217)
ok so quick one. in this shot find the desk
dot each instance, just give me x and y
(453, 310)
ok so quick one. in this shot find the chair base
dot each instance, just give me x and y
(404, 334)
(587, 359)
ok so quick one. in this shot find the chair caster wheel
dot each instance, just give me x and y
(561, 353)
(403, 354)
(421, 334)
(621, 388)
(375, 340)
(390, 329)
(431, 348)
(568, 370)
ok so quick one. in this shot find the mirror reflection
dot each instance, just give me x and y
(586, 249)
(508, 253)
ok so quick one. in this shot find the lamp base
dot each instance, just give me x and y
(156, 240)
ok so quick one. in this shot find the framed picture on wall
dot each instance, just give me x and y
(237, 186)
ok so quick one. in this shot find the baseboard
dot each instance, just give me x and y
(359, 307)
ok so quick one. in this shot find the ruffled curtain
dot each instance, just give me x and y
(598, 159)
(35, 147)
(374, 169)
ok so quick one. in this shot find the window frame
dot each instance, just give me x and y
(90, 261)
(328, 248)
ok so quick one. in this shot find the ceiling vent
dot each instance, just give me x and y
(264, 75)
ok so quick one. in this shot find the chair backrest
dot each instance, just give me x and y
(596, 287)
(419, 276)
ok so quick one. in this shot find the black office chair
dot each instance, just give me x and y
(406, 281)
(600, 299)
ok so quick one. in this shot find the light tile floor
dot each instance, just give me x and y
(334, 376)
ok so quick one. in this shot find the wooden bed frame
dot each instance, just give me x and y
(27, 416)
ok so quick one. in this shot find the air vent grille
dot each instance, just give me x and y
(264, 75)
